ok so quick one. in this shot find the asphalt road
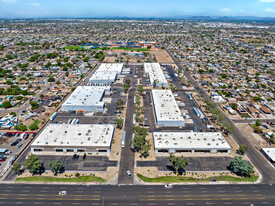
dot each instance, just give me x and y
(105, 195)
(257, 159)
(127, 156)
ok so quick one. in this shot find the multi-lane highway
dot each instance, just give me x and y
(25, 194)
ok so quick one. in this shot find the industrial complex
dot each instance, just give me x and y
(167, 112)
(88, 138)
(86, 98)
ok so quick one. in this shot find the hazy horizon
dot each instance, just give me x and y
(137, 9)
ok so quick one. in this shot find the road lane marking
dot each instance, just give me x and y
(199, 199)
(63, 199)
(209, 195)
(133, 203)
(228, 203)
(46, 195)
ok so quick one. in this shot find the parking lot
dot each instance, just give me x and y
(90, 163)
(195, 163)
(14, 143)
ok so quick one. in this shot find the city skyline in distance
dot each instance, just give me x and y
(137, 9)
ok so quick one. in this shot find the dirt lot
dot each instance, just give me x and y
(161, 56)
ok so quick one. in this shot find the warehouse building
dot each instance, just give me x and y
(167, 112)
(106, 74)
(87, 99)
(88, 138)
(156, 75)
(269, 154)
(173, 142)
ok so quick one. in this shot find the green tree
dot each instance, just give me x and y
(6, 105)
(258, 130)
(16, 167)
(120, 104)
(86, 59)
(33, 126)
(243, 149)
(33, 164)
(51, 79)
(145, 149)
(140, 89)
(155, 82)
(21, 127)
(34, 105)
(179, 163)
(125, 88)
(234, 106)
(13, 113)
(119, 123)
(257, 98)
(55, 166)
(258, 122)
(241, 167)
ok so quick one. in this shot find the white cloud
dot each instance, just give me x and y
(225, 10)
(269, 10)
(241, 11)
(9, 1)
(267, 1)
(35, 4)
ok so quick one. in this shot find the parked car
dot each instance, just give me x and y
(20, 145)
(129, 173)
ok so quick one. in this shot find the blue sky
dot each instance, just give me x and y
(134, 8)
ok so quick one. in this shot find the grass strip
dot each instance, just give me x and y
(129, 49)
(253, 178)
(58, 179)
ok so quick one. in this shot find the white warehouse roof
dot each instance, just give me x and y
(103, 75)
(86, 98)
(166, 108)
(110, 67)
(63, 135)
(155, 73)
(106, 73)
(190, 140)
(270, 152)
